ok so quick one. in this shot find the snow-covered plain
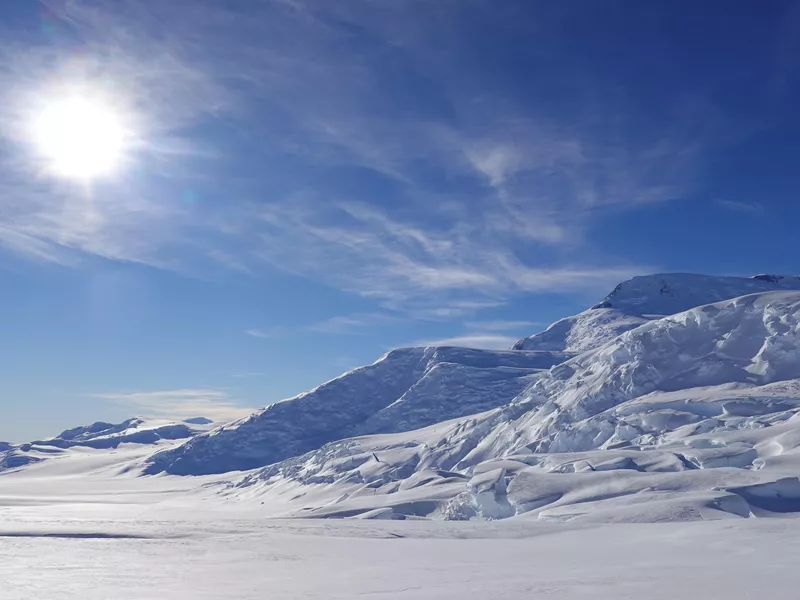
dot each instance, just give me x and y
(249, 559)
(648, 447)
(91, 528)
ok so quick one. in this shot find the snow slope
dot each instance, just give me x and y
(582, 332)
(406, 389)
(643, 298)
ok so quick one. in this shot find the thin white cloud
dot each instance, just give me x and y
(377, 256)
(179, 404)
(266, 334)
(358, 323)
(491, 335)
(501, 325)
(230, 261)
(454, 309)
(497, 163)
(742, 207)
(246, 374)
(487, 341)
(354, 323)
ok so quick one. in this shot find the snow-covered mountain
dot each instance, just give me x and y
(676, 398)
(406, 389)
(411, 388)
(100, 436)
(691, 416)
(644, 298)
(108, 435)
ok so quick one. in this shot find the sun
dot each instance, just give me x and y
(80, 137)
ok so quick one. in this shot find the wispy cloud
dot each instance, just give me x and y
(230, 261)
(351, 324)
(377, 256)
(266, 334)
(216, 405)
(361, 323)
(491, 335)
(469, 194)
(486, 341)
(742, 207)
(502, 325)
(455, 308)
(354, 323)
(358, 323)
(246, 374)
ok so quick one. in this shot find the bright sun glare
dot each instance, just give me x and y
(80, 138)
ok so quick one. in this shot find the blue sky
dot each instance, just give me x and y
(316, 182)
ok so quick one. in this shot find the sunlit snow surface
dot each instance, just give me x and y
(253, 559)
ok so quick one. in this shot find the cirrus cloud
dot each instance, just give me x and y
(320, 165)
(180, 404)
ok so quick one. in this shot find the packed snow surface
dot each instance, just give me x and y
(218, 557)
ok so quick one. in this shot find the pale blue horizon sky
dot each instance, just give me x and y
(314, 183)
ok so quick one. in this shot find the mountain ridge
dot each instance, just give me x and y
(375, 398)
(390, 395)
(643, 298)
